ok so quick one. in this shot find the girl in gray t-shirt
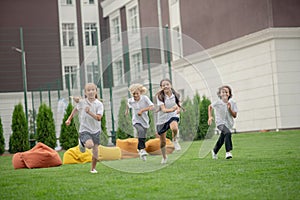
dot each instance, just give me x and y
(140, 105)
(225, 112)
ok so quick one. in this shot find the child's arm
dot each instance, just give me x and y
(233, 114)
(167, 110)
(68, 121)
(210, 117)
(97, 117)
(145, 109)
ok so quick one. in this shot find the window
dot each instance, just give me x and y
(116, 29)
(68, 35)
(177, 41)
(71, 77)
(66, 2)
(90, 34)
(91, 1)
(133, 20)
(173, 1)
(93, 73)
(118, 73)
(136, 66)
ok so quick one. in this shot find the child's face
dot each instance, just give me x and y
(136, 95)
(166, 86)
(90, 91)
(225, 94)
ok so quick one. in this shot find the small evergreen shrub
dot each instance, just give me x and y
(46, 126)
(125, 128)
(68, 134)
(188, 125)
(203, 118)
(103, 135)
(18, 141)
(2, 141)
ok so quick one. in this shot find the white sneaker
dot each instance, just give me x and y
(228, 155)
(81, 147)
(213, 155)
(164, 161)
(143, 154)
(177, 145)
(94, 171)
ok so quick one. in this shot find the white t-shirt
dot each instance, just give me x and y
(87, 122)
(222, 114)
(163, 117)
(136, 106)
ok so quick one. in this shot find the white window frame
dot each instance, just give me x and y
(178, 41)
(90, 34)
(68, 34)
(116, 27)
(72, 71)
(136, 65)
(133, 18)
(119, 71)
(66, 2)
(92, 72)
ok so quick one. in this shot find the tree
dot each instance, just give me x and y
(203, 117)
(68, 134)
(2, 141)
(151, 129)
(103, 135)
(18, 141)
(125, 128)
(46, 126)
(188, 125)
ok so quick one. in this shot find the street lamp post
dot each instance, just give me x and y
(23, 70)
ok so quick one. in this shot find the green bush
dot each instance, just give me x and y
(2, 141)
(203, 118)
(188, 125)
(68, 134)
(103, 135)
(46, 126)
(125, 128)
(151, 129)
(18, 141)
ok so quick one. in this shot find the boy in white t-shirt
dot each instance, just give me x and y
(225, 110)
(140, 105)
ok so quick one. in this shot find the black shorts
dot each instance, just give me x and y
(161, 128)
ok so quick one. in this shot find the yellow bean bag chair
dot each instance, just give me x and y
(74, 156)
(109, 153)
(40, 156)
(153, 146)
(128, 147)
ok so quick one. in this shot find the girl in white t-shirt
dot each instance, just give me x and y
(167, 116)
(225, 112)
(90, 114)
(140, 105)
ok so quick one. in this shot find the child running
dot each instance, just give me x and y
(140, 105)
(225, 110)
(167, 117)
(90, 113)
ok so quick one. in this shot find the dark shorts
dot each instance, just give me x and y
(84, 136)
(162, 128)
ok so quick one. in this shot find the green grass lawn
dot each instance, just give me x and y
(264, 166)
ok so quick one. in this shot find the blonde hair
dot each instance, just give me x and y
(91, 85)
(134, 87)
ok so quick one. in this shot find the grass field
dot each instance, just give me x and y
(264, 166)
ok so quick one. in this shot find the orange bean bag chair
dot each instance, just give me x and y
(128, 147)
(40, 156)
(153, 146)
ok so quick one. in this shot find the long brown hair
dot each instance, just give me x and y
(161, 95)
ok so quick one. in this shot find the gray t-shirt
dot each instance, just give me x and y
(87, 122)
(163, 117)
(136, 106)
(222, 114)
